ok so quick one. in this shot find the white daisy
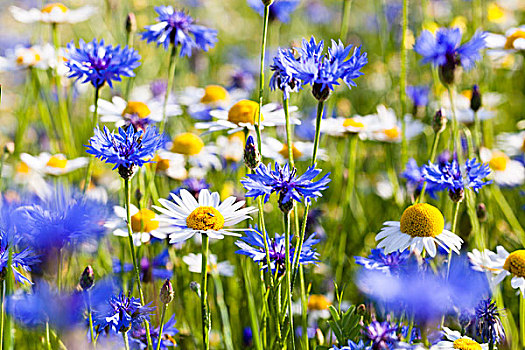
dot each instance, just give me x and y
(144, 223)
(501, 264)
(207, 216)
(505, 171)
(422, 226)
(212, 96)
(278, 151)
(25, 176)
(56, 164)
(231, 147)
(121, 113)
(384, 126)
(244, 114)
(512, 144)
(454, 341)
(340, 126)
(52, 13)
(513, 40)
(464, 113)
(194, 262)
(198, 154)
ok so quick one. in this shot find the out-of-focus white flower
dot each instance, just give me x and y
(505, 171)
(52, 13)
(223, 268)
(57, 164)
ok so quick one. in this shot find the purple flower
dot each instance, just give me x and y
(284, 73)
(449, 176)
(279, 10)
(381, 334)
(388, 263)
(418, 95)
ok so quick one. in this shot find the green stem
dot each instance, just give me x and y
(435, 143)
(127, 193)
(226, 329)
(403, 81)
(345, 19)
(126, 341)
(9, 289)
(48, 337)
(261, 74)
(89, 170)
(288, 292)
(251, 308)
(454, 225)
(522, 320)
(169, 87)
(90, 319)
(3, 158)
(455, 127)
(508, 212)
(478, 136)
(161, 326)
(206, 320)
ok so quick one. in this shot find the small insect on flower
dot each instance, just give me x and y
(178, 28)
(53, 13)
(206, 216)
(98, 64)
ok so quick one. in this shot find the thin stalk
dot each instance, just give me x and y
(206, 320)
(288, 292)
(89, 170)
(478, 136)
(3, 158)
(48, 337)
(251, 308)
(59, 270)
(522, 320)
(90, 319)
(2, 291)
(508, 212)
(345, 19)
(226, 329)
(126, 341)
(127, 193)
(455, 127)
(261, 74)
(129, 41)
(454, 225)
(169, 87)
(435, 143)
(403, 81)
(161, 326)
(9, 289)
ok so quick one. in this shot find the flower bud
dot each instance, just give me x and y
(320, 93)
(439, 122)
(87, 279)
(194, 286)
(481, 212)
(131, 23)
(252, 157)
(449, 71)
(475, 100)
(285, 206)
(319, 336)
(361, 310)
(127, 173)
(9, 148)
(166, 294)
(267, 2)
(456, 195)
(138, 195)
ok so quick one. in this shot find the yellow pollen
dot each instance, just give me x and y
(161, 164)
(211, 268)
(466, 344)
(205, 218)
(422, 220)
(518, 34)
(467, 93)
(495, 13)
(138, 108)
(22, 168)
(187, 143)
(515, 263)
(142, 221)
(295, 152)
(244, 111)
(29, 57)
(352, 123)
(499, 161)
(214, 93)
(393, 133)
(57, 161)
(318, 302)
(52, 7)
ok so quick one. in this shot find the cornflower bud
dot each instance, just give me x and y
(166, 294)
(252, 158)
(131, 23)
(87, 279)
(481, 212)
(439, 122)
(475, 100)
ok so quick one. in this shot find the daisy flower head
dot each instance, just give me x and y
(195, 151)
(512, 144)
(511, 41)
(323, 71)
(385, 126)
(223, 268)
(97, 63)
(284, 181)
(341, 126)
(278, 151)
(252, 245)
(126, 149)
(445, 51)
(53, 13)
(284, 75)
(505, 170)
(206, 216)
(279, 10)
(421, 227)
(24, 57)
(179, 29)
(454, 340)
(56, 164)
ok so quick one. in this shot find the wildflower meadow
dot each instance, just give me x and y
(262, 174)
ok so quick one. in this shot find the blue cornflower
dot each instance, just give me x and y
(252, 245)
(127, 148)
(150, 270)
(381, 334)
(352, 346)
(279, 10)
(179, 29)
(139, 340)
(120, 314)
(449, 176)
(98, 63)
(488, 322)
(284, 182)
(415, 179)
(418, 95)
(284, 73)
(323, 71)
(21, 261)
(388, 263)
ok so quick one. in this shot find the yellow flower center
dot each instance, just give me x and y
(29, 57)
(495, 13)
(22, 168)
(318, 302)
(161, 164)
(515, 263)
(187, 143)
(518, 34)
(57, 161)
(523, 146)
(205, 218)
(466, 344)
(467, 93)
(211, 267)
(52, 7)
(244, 111)
(393, 133)
(422, 220)
(142, 221)
(351, 122)
(214, 93)
(138, 108)
(499, 161)
(284, 151)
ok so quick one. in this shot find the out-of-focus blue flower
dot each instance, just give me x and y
(120, 314)
(247, 336)
(449, 176)
(242, 79)
(388, 263)
(418, 95)
(284, 182)
(193, 186)
(284, 75)
(252, 245)
(280, 9)
(21, 261)
(138, 339)
(179, 29)
(488, 322)
(381, 334)
(415, 179)
(127, 148)
(318, 12)
(45, 305)
(149, 270)
(98, 63)
(445, 48)
(352, 346)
